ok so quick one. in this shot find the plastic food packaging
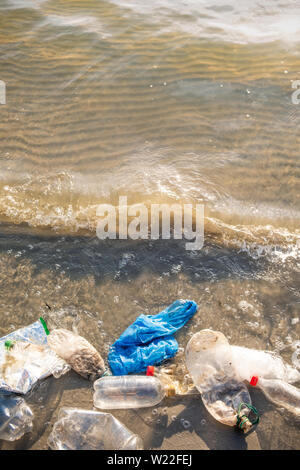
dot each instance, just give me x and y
(91, 430)
(279, 392)
(149, 340)
(77, 352)
(210, 363)
(25, 358)
(264, 364)
(15, 418)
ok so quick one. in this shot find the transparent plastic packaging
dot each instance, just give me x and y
(210, 363)
(170, 380)
(91, 430)
(264, 364)
(128, 391)
(25, 358)
(15, 418)
(77, 352)
(281, 393)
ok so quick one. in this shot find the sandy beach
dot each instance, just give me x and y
(175, 424)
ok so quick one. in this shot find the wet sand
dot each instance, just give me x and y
(97, 291)
(165, 429)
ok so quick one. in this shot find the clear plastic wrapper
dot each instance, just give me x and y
(25, 358)
(184, 386)
(77, 352)
(78, 429)
(15, 418)
(210, 363)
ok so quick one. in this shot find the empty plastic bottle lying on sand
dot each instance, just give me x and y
(271, 374)
(210, 363)
(136, 391)
(77, 352)
(26, 358)
(91, 430)
(279, 392)
(15, 418)
(129, 391)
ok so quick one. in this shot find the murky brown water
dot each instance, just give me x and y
(166, 102)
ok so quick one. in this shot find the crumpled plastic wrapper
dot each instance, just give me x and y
(25, 358)
(77, 352)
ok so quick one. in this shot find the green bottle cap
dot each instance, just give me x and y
(44, 326)
(9, 344)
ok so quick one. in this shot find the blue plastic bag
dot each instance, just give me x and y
(149, 340)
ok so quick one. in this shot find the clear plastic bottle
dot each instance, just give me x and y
(279, 392)
(129, 391)
(91, 430)
(15, 418)
(264, 364)
(209, 361)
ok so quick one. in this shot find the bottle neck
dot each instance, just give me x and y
(170, 390)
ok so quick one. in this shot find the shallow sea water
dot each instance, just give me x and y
(170, 102)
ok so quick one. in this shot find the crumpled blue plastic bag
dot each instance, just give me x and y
(149, 340)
